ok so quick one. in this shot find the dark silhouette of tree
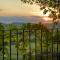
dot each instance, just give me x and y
(52, 6)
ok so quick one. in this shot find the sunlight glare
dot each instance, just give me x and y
(47, 18)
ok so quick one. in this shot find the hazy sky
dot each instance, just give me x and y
(16, 7)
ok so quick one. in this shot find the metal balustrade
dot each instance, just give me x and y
(30, 45)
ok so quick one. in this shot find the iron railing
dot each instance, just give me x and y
(29, 45)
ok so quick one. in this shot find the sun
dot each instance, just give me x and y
(46, 18)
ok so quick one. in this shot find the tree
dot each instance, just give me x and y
(52, 6)
(6, 54)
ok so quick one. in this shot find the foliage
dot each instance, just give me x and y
(55, 37)
(24, 43)
(52, 6)
(1, 42)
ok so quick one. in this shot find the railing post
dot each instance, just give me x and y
(52, 44)
(23, 45)
(29, 46)
(10, 44)
(3, 43)
(47, 44)
(41, 43)
(57, 43)
(35, 46)
(17, 44)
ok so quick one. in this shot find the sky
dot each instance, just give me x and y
(14, 10)
(18, 8)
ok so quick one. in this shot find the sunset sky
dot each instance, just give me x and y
(18, 8)
(9, 9)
